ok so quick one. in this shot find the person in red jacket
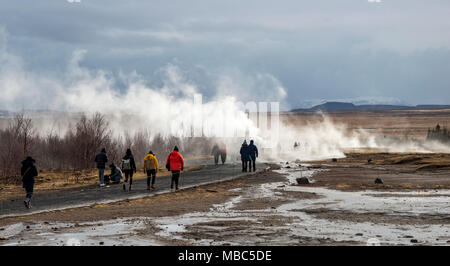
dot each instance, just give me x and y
(175, 164)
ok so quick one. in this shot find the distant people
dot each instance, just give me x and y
(244, 155)
(128, 168)
(223, 152)
(219, 150)
(28, 173)
(115, 176)
(216, 152)
(101, 159)
(150, 168)
(175, 164)
(253, 154)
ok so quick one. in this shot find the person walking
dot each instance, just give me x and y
(175, 164)
(101, 159)
(28, 173)
(128, 168)
(253, 154)
(223, 152)
(216, 152)
(150, 166)
(244, 155)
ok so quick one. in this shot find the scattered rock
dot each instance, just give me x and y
(101, 243)
(414, 241)
(408, 237)
(302, 181)
(28, 227)
(378, 181)
(358, 234)
(288, 166)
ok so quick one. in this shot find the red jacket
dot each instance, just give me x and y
(176, 161)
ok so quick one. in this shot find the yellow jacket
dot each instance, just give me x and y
(150, 162)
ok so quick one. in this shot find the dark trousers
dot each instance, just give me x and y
(253, 161)
(151, 175)
(223, 157)
(216, 159)
(244, 165)
(175, 178)
(29, 188)
(128, 173)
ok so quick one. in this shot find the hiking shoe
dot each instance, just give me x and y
(124, 187)
(148, 187)
(129, 188)
(25, 203)
(102, 185)
(153, 186)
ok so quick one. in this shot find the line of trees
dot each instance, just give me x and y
(76, 149)
(439, 134)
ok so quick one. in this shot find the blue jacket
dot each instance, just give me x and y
(244, 153)
(252, 151)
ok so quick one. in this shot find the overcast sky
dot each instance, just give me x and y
(393, 51)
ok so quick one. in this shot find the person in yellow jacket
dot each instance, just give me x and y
(151, 168)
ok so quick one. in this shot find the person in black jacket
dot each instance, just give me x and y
(101, 159)
(253, 154)
(28, 172)
(128, 168)
(244, 156)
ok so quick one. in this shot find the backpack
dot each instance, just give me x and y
(168, 164)
(149, 164)
(126, 164)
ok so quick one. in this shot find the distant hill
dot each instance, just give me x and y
(343, 106)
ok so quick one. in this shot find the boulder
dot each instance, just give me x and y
(302, 181)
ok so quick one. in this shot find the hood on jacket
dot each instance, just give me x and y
(128, 153)
(28, 161)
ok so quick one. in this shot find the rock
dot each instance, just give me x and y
(288, 166)
(414, 241)
(28, 227)
(369, 160)
(334, 160)
(378, 181)
(358, 234)
(302, 181)
(101, 243)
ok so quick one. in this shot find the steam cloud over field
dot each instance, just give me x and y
(133, 104)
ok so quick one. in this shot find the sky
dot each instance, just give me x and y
(297, 52)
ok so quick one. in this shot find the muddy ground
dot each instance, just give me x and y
(342, 206)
